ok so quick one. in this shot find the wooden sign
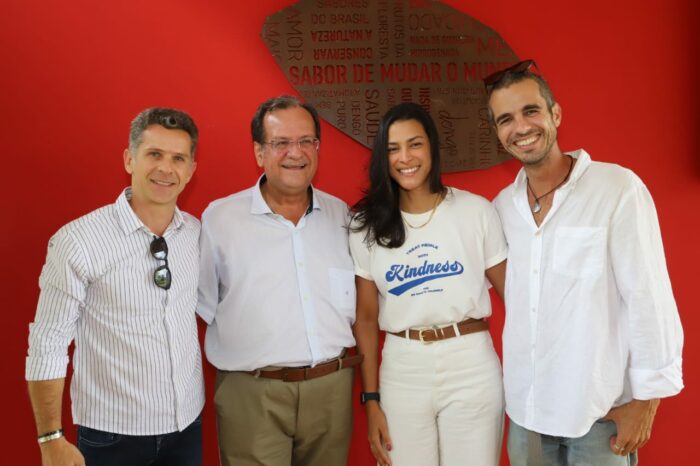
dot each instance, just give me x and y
(354, 59)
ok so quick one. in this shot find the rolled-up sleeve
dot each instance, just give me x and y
(360, 253)
(208, 277)
(63, 285)
(655, 332)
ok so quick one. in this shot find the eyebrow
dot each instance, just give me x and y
(408, 140)
(524, 109)
(163, 151)
(285, 138)
(501, 117)
(532, 107)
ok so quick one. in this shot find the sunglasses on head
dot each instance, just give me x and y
(493, 79)
(162, 276)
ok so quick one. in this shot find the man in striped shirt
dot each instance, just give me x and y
(121, 282)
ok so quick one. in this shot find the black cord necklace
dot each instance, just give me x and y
(536, 207)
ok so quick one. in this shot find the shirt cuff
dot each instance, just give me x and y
(660, 383)
(205, 315)
(45, 368)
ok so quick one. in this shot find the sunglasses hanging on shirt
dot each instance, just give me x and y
(162, 276)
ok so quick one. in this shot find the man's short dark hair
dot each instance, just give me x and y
(169, 118)
(257, 127)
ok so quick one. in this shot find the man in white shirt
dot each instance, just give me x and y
(277, 290)
(121, 282)
(592, 338)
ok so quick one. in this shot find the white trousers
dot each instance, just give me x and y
(443, 401)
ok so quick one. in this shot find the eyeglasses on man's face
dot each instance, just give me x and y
(284, 145)
(162, 276)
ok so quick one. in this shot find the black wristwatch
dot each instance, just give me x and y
(368, 396)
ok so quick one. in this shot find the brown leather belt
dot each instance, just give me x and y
(433, 334)
(297, 374)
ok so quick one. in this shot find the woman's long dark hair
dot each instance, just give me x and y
(378, 212)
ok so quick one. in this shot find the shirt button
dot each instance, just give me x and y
(533, 309)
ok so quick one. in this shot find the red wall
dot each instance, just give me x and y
(74, 74)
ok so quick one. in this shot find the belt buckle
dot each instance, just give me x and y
(434, 329)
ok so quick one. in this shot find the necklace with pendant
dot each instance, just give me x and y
(536, 206)
(432, 212)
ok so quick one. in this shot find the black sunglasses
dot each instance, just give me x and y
(162, 276)
(493, 79)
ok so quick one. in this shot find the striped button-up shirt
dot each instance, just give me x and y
(137, 366)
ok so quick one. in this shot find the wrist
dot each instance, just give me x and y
(369, 396)
(49, 436)
(372, 408)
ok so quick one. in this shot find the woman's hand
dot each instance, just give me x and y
(378, 433)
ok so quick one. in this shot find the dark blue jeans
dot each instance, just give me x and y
(175, 449)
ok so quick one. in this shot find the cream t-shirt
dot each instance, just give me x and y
(437, 276)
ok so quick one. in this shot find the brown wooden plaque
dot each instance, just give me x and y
(354, 59)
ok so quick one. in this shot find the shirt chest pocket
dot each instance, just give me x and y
(342, 288)
(579, 252)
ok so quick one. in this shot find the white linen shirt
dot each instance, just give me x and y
(137, 365)
(275, 293)
(437, 277)
(591, 321)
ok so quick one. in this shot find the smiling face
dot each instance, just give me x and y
(160, 168)
(289, 172)
(409, 155)
(525, 127)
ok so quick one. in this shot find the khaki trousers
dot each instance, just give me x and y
(264, 422)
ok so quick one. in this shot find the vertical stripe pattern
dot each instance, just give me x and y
(137, 362)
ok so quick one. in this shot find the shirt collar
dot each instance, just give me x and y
(130, 222)
(259, 206)
(583, 161)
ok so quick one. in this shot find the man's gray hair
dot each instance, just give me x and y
(169, 118)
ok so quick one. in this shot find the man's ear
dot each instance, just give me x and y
(258, 150)
(556, 114)
(192, 170)
(128, 160)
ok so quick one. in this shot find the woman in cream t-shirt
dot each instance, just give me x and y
(422, 255)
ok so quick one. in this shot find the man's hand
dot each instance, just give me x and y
(633, 421)
(60, 452)
(378, 434)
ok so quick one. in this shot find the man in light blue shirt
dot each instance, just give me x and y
(277, 290)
